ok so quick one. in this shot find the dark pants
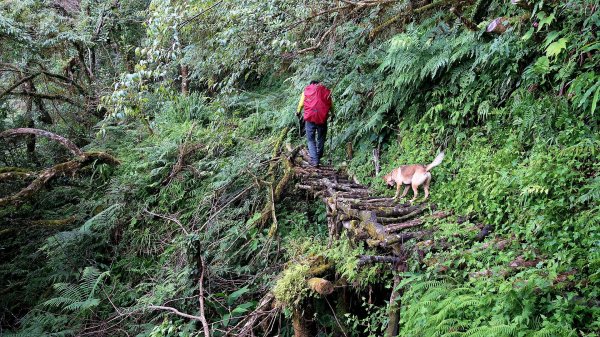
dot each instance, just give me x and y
(316, 144)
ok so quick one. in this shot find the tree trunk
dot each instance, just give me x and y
(301, 328)
(30, 123)
(394, 313)
(185, 80)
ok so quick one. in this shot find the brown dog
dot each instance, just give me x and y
(413, 175)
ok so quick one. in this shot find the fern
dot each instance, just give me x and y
(79, 297)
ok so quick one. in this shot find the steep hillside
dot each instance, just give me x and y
(178, 202)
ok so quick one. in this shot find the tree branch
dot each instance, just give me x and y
(46, 96)
(175, 311)
(68, 167)
(43, 133)
(18, 83)
(399, 16)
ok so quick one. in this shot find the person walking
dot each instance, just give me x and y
(318, 105)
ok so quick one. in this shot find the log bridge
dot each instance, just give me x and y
(380, 222)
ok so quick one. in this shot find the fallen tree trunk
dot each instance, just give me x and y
(18, 174)
(46, 175)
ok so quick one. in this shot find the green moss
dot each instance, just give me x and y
(291, 287)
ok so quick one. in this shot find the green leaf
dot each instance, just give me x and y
(528, 35)
(595, 100)
(236, 294)
(544, 20)
(542, 65)
(555, 48)
(550, 38)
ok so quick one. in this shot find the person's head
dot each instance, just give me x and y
(315, 82)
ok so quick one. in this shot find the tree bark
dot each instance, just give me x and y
(185, 81)
(43, 133)
(394, 310)
(301, 327)
(63, 168)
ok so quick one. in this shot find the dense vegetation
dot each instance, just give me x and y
(180, 111)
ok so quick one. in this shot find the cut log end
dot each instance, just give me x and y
(320, 285)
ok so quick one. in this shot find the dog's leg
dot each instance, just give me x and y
(397, 191)
(415, 188)
(426, 187)
(405, 192)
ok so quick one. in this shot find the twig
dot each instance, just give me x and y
(335, 316)
(168, 218)
(318, 45)
(201, 300)
(212, 216)
(175, 311)
(200, 14)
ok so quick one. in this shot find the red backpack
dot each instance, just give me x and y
(317, 102)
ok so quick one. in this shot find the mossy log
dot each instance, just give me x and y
(371, 226)
(42, 223)
(394, 310)
(320, 285)
(318, 266)
(69, 167)
(402, 210)
(276, 191)
(366, 259)
(396, 227)
(392, 239)
(300, 324)
(17, 175)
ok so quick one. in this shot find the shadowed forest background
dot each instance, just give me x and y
(142, 144)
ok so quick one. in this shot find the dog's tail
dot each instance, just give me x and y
(436, 162)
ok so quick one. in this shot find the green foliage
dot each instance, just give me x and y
(79, 298)
(516, 114)
(291, 288)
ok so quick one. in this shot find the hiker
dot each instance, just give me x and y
(316, 100)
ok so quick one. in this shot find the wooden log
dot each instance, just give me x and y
(368, 259)
(347, 210)
(371, 226)
(396, 227)
(17, 175)
(401, 226)
(353, 226)
(247, 324)
(70, 167)
(320, 285)
(394, 309)
(318, 266)
(392, 239)
(403, 211)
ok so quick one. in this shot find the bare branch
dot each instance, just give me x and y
(46, 96)
(18, 83)
(175, 311)
(43, 133)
